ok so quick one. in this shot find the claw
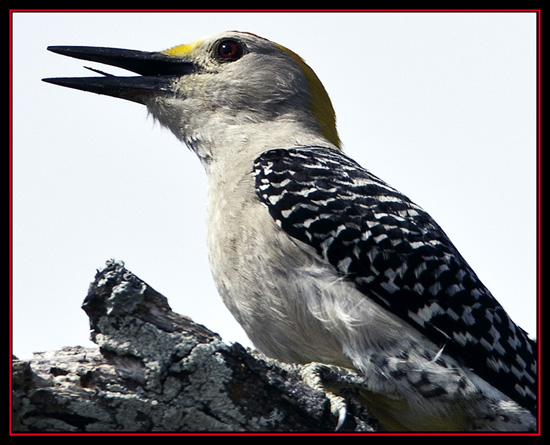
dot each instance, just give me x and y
(341, 412)
(313, 376)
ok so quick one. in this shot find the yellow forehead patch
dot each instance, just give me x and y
(321, 104)
(182, 50)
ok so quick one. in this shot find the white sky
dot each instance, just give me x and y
(440, 105)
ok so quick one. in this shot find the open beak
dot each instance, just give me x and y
(157, 71)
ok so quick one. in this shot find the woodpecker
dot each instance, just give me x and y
(317, 258)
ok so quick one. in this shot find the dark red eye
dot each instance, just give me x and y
(229, 50)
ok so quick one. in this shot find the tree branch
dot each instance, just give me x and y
(158, 371)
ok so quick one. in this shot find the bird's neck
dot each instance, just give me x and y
(220, 150)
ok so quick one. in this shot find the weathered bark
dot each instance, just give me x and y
(157, 371)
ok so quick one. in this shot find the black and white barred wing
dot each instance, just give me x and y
(395, 253)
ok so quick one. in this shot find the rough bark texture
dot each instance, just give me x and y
(157, 371)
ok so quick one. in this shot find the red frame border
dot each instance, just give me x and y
(539, 269)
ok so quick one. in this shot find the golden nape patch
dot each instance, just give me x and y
(321, 104)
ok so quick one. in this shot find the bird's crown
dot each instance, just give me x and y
(262, 61)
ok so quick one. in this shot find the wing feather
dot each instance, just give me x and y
(395, 253)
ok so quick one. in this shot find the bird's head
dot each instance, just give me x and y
(225, 90)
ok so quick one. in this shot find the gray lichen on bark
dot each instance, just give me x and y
(158, 371)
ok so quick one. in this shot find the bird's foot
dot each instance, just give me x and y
(331, 380)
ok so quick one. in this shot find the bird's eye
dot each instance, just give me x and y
(229, 50)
